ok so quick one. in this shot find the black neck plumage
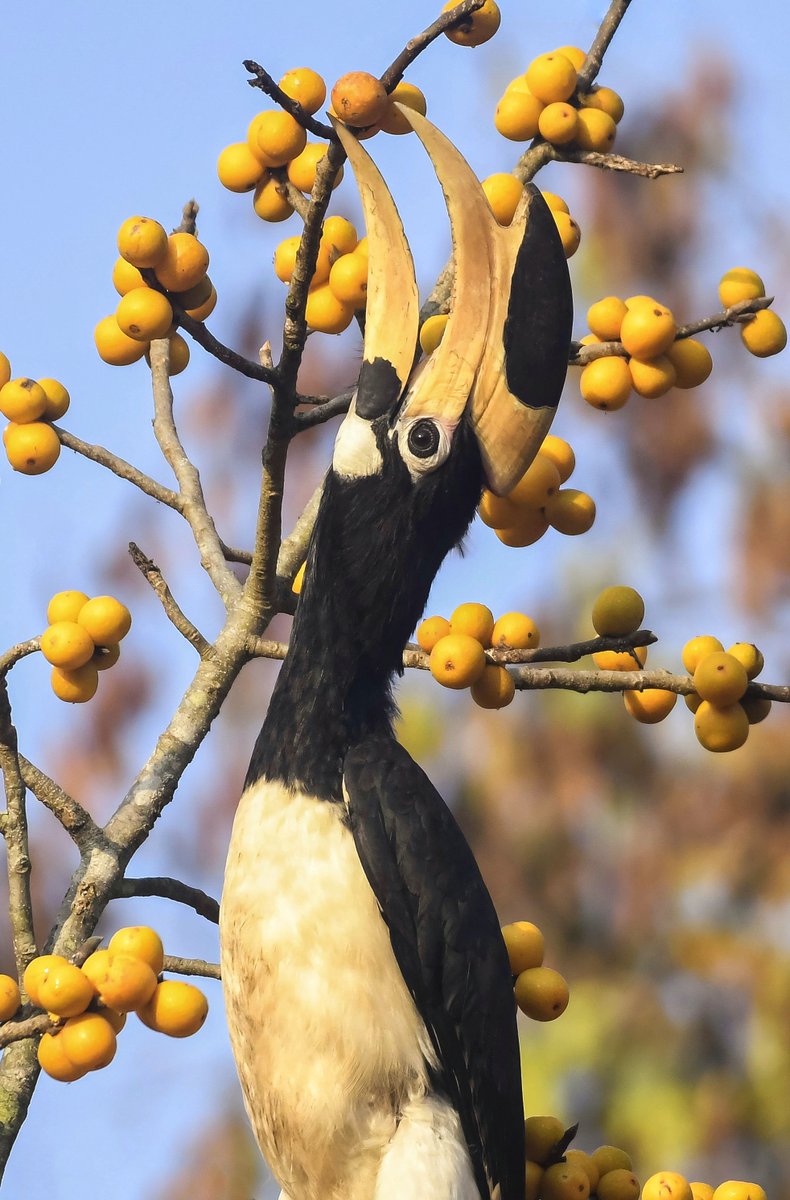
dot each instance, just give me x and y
(376, 547)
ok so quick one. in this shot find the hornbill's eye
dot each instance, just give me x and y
(424, 439)
(424, 444)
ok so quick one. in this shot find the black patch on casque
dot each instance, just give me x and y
(537, 331)
(378, 389)
(377, 544)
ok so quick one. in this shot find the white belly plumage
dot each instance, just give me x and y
(330, 1048)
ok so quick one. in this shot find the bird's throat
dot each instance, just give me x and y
(376, 547)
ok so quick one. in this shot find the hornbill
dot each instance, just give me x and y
(368, 992)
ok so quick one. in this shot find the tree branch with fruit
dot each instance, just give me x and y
(634, 345)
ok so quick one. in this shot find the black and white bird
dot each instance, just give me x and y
(368, 992)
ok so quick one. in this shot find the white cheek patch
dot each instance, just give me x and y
(356, 453)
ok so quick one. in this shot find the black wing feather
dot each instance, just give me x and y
(446, 938)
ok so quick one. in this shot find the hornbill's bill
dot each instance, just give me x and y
(369, 997)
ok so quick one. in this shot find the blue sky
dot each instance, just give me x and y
(113, 110)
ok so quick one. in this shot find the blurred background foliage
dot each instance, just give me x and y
(658, 873)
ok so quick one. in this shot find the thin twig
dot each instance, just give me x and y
(324, 412)
(152, 573)
(9, 658)
(233, 554)
(265, 648)
(295, 328)
(94, 883)
(607, 29)
(17, 1031)
(119, 466)
(293, 550)
(393, 74)
(192, 966)
(20, 903)
(171, 889)
(193, 503)
(261, 588)
(737, 314)
(616, 162)
(415, 657)
(574, 651)
(231, 358)
(188, 218)
(76, 820)
(540, 678)
(529, 677)
(315, 400)
(297, 200)
(83, 952)
(539, 153)
(264, 81)
(448, 20)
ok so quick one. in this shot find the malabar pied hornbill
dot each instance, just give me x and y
(368, 991)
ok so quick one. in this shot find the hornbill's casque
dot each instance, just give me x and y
(368, 992)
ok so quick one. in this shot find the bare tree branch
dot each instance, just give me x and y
(265, 648)
(414, 656)
(261, 589)
(171, 889)
(617, 162)
(737, 314)
(415, 46)
(295, 328)
(19, 1068)
(574, 651)
(297, 200)
(16, 838)
(231, 358)
(192, 966)
(293, 550)
(264, 81)
(9, 658)
(121, 468)
(76, 820)
(608, 28)
(155, 783)
(232, 554)
(540, 678)
(106, 854)
(324, 412)
(193, 503)
(188, 218)
(29, 1027)
(155, 578)
(540, 152)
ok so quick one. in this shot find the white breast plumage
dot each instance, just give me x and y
(329, 1044)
